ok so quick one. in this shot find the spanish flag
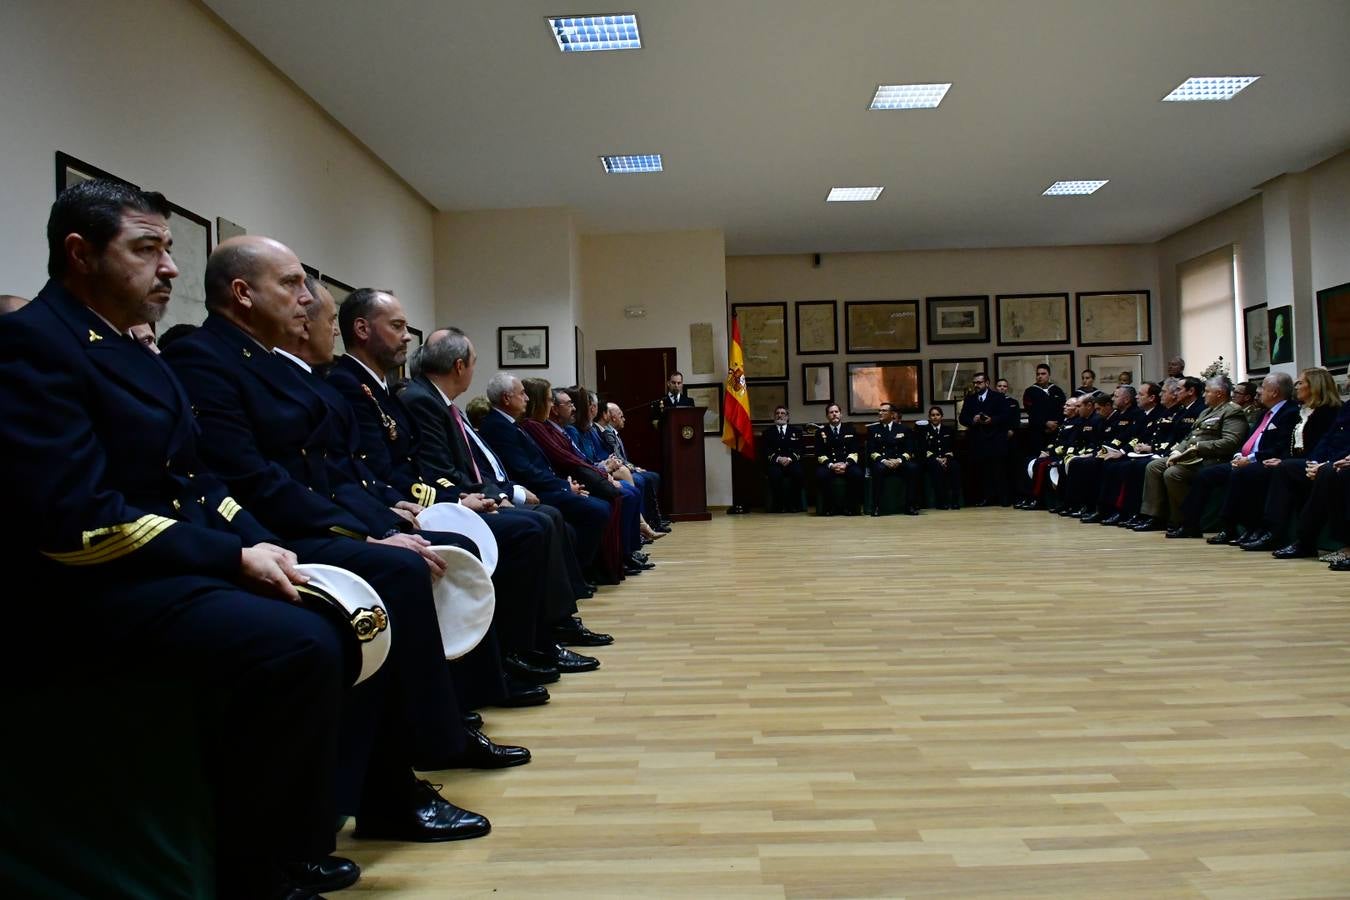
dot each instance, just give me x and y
(737, 432)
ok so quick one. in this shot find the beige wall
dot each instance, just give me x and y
(159, 93)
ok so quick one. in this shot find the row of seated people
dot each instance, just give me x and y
(1181, 454)
(167, 504)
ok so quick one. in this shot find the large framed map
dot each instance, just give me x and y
(871, 384)
(1033, 319)
(763, 339)
(881, 326)
(817, 327)
(1106, 318)
(1333, 325)
(1020, 368)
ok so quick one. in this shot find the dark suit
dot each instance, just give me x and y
(1242, 484)
(839, 444)
(893, 441)
(785, 481)
(1290, 487)
(135, 545)
(681, 399)
(988, 441)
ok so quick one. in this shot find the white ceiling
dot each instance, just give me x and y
(760, 106)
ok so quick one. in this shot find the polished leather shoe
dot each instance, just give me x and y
(1223, 537)
(1340, 565)
(643, 563)
(332, 873)
(666, 525)
(473, 720)
(569, 661)
(639, 557)
(912, 511)
(530, 671)
(572, 631)
(982, 503)
(1113, 519)
(522, 695)
(430, 819)
(942, 506)
(632, 568)
(1181, 531)
(483, 753)
(1091, 518)
(1151, 524)
(1261, 541)
(1293, 551)
(876, 513)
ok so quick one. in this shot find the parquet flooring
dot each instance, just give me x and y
(983, 703)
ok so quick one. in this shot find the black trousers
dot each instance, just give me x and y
(946, 480)
(589, 516)
(1247, 488)
(785, 487)
(1206, 482)
(853, 481)
(910, 475)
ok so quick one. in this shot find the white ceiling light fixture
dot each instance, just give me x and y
(632, 165)
(853, 194)
(909, 96)
(1209, 88)
(584, 34)
(1073, 188)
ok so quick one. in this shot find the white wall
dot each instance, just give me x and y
(159, 93)
(680, 278)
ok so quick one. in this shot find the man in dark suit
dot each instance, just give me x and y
(986, 417)
(937, 442)
(838, 455)
(891, 453)
(148, 568)
(782, 447)
(675, 393)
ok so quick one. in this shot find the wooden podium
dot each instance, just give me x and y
(683, 479)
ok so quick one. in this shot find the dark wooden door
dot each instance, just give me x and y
(636, 379)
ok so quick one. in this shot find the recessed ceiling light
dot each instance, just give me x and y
(1216, 87)
(1072, 188)
(629, 165)
(909, 96)
(853, 194)
(580, 34)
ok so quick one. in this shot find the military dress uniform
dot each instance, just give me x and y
(1171, 426)
(1217, 434)
(1118, 433)
(1043, 405)
(1273, 441)
(939, 443)
(838, 444)
(785, 481)
(1089, 441)
(891, 441)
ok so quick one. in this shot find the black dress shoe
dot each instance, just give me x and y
(473, 720)
(639, 557)
(982, 503)
(1092, 518)
(639, 560)
(1113, 519)
(912, 511)
(431, 818)
(1151, 524)
(332, 873)
(1223, 537)
(1340, 565)
(942, 506)
(850, 512)
(1181, 531)
(666, 525)
(528, 670)
(482, 753)
(572, 631)
(632, 568)
(876, 512)
(1261, 541)
(1293, 551)
(522, 695)
(569, 661)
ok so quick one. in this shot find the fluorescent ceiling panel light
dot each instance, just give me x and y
(909, 96)
(630, 165)
(1072, 188)
(853, 194)
(581, 34)
(1217, 87)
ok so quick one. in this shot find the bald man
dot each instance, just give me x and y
(10, 303)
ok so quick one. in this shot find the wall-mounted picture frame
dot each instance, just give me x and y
(70, 170)
(958, 320)
(763, 339)
(881, 326)
(708, 394)
(949, 380)
(1110, 366)
(1033, 318)
(225, 229)
(764, 397)
(1333, 325)
(817, 383)
(579, 351)
(522, 347)
(898, 382)
(1119, 318)
(1256, 338)
(1281, 328)
(817, 327)
(1020, 369)
(191, 248)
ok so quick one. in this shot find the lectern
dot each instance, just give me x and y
(683, 480)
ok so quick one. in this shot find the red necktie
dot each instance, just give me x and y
(468, 443)
(1248, 447)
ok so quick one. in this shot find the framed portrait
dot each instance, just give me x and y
(763, 339)
(708, 394)
(70, 170)
(1333, 325)
(1111, 366)
(1033, 318)
(870, 384)
(817, 327)
(764, 397)
(340, 290)
(191, 247)
(958, 320)
(949, 379)
(522, 347)
(1256, 337)
(1106, 318)
(881, 326)
(1280, 323)
(817, 383)
(1020, 369)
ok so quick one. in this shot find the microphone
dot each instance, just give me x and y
(646, 404)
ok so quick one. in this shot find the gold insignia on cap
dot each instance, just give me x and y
(368, 623)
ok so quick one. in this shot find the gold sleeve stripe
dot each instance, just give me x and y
(445, 482)
(423, 494)
(228, 509)
(336, 529)
(127, 538)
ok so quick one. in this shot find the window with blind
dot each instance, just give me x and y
(1208, 311)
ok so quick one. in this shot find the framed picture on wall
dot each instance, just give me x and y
(1281, 326)
(579, 351)
(1114, 318)
(1111, 366)
(1333, 325)
(881, 326)
(708, 394)
(522, 347)
(1020, 369)
(764, 397)
(870, 384)
(1256, 335)
(70, 170)
(1033, 318)
(949, 379)
(817, 383)
(340, 290)
(763, 339)
(958, 320)
(817, 327)
(191, 247)
(225, 229)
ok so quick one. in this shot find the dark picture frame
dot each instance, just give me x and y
(1033, 319)
(522, 347)
(191, 248)
(898, 382)
(1020, 368)
(1333, 325)
(340, 290)
(942, 388)
(1109, 366)
(225, 229)
(579, 351)
(1114, 318)
(68, 166)
(958, 320)
(1281, 334)
(878, 326)
(809, 315)
(708, 394)
(810, 383)
(764, 397)
(1256, 339)
(763, 339)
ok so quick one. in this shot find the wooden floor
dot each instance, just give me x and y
(984, 703)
